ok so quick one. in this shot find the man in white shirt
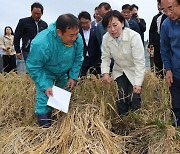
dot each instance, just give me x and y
(92, 52)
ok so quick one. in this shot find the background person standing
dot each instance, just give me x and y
(154, 41)
(27, 29)
(97, 17)
(9, 54)
(92, 52)
(141, 22)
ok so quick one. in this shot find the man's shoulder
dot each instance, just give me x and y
(167, 22)
(43, 22)
(133, 22)
(142, 20)
(99, 25)
(93, 29)
(156, 16)
(25, 19)
(79, 39)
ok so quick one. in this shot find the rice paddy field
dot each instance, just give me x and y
(92, 125)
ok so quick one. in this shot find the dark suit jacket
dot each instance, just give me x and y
(134, 26)
(93, 48)
(27, 30)
(154, 36)
(142, 26)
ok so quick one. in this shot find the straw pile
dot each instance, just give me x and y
(92, 124)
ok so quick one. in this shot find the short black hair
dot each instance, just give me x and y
(178, 2)
(108, 17)
(37, 5)
(107, 6)
(85, 15)
(159, 1)
(134, 6)
(67, 21)
(126, 6)
(5, 30)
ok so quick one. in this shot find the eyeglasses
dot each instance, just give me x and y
(169, 9)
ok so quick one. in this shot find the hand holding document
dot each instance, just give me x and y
(60, 99)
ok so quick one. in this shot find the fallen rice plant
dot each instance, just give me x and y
(92, 125)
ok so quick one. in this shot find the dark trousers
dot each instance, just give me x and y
(127, 99)
(111, 64)
(92, 70)
(175, 93)
(9, 63)
(158, 62)
(25, 55)
(88, 65)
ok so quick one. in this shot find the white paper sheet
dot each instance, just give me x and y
(60, 99)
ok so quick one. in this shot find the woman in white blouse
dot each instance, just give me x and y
(9, 53)
(125, 47)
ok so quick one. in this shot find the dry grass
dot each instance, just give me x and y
(92, 125)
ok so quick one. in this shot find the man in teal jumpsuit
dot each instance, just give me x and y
(56, 56)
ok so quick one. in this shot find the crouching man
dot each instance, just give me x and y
(56, 56)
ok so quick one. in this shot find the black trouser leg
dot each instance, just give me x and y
(158, 61)
(13, 62)
(122, 102)
(175, 93)
(127, 99)
(6, 63)
(9, 62)
(83, 71)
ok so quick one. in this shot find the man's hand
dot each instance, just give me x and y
(150, 49)
(137, 89)
(137, 18)
(71, 83)
(49, 92)
(19, 55)
(169, 77)
(106, 78)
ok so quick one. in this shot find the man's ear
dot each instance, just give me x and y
(58, 31)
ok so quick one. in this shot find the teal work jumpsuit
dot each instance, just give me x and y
(50, 61)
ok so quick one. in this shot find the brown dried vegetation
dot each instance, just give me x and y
(92, 125)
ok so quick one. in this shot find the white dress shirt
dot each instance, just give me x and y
(86, 37)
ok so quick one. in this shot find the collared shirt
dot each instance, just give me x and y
(118, 39)
(86, 37)
(36, 22)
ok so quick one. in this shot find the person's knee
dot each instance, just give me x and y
(41, 103)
